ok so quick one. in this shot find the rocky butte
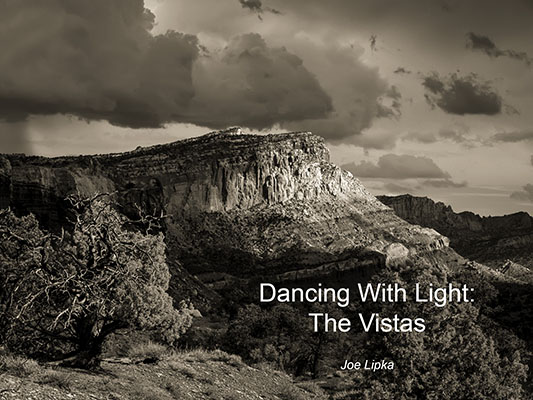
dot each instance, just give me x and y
(239, 206)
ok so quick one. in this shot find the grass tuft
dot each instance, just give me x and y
(184, 370)
(148, 352)
(18, 366)
(289, 392)
(51, 377)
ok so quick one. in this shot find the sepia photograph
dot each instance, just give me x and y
(266, 199)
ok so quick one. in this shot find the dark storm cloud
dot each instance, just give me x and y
(512, 137)
(96, 60)
(254, 5)
(524, 195)
(99, 60)
(443, 183)
(251, 84)
(462, 95)
(401, 70)
(446, 7)
(257, 7)
(398, 167)
(487, 46)
(531, 160)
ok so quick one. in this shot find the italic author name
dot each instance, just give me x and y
(367, 365)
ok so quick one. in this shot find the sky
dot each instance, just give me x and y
(428, 97)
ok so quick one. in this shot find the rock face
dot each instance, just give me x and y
(239, 206)
(490, 240)
(217, 172)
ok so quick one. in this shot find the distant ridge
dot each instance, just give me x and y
(490, 240)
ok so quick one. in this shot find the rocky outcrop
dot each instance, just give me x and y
(216, 172)
(240, 206)
(490, 240)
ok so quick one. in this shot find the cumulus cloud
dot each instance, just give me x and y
(524, 195)
(397, 167)
(251, 84)
(462, 95)
(486, 45)
(531, 160)
(513, 137)
(359, 94)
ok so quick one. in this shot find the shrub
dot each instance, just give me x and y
(281, 335)
(68, 293)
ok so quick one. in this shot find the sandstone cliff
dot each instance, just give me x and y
(490, 240)
(239, 206)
